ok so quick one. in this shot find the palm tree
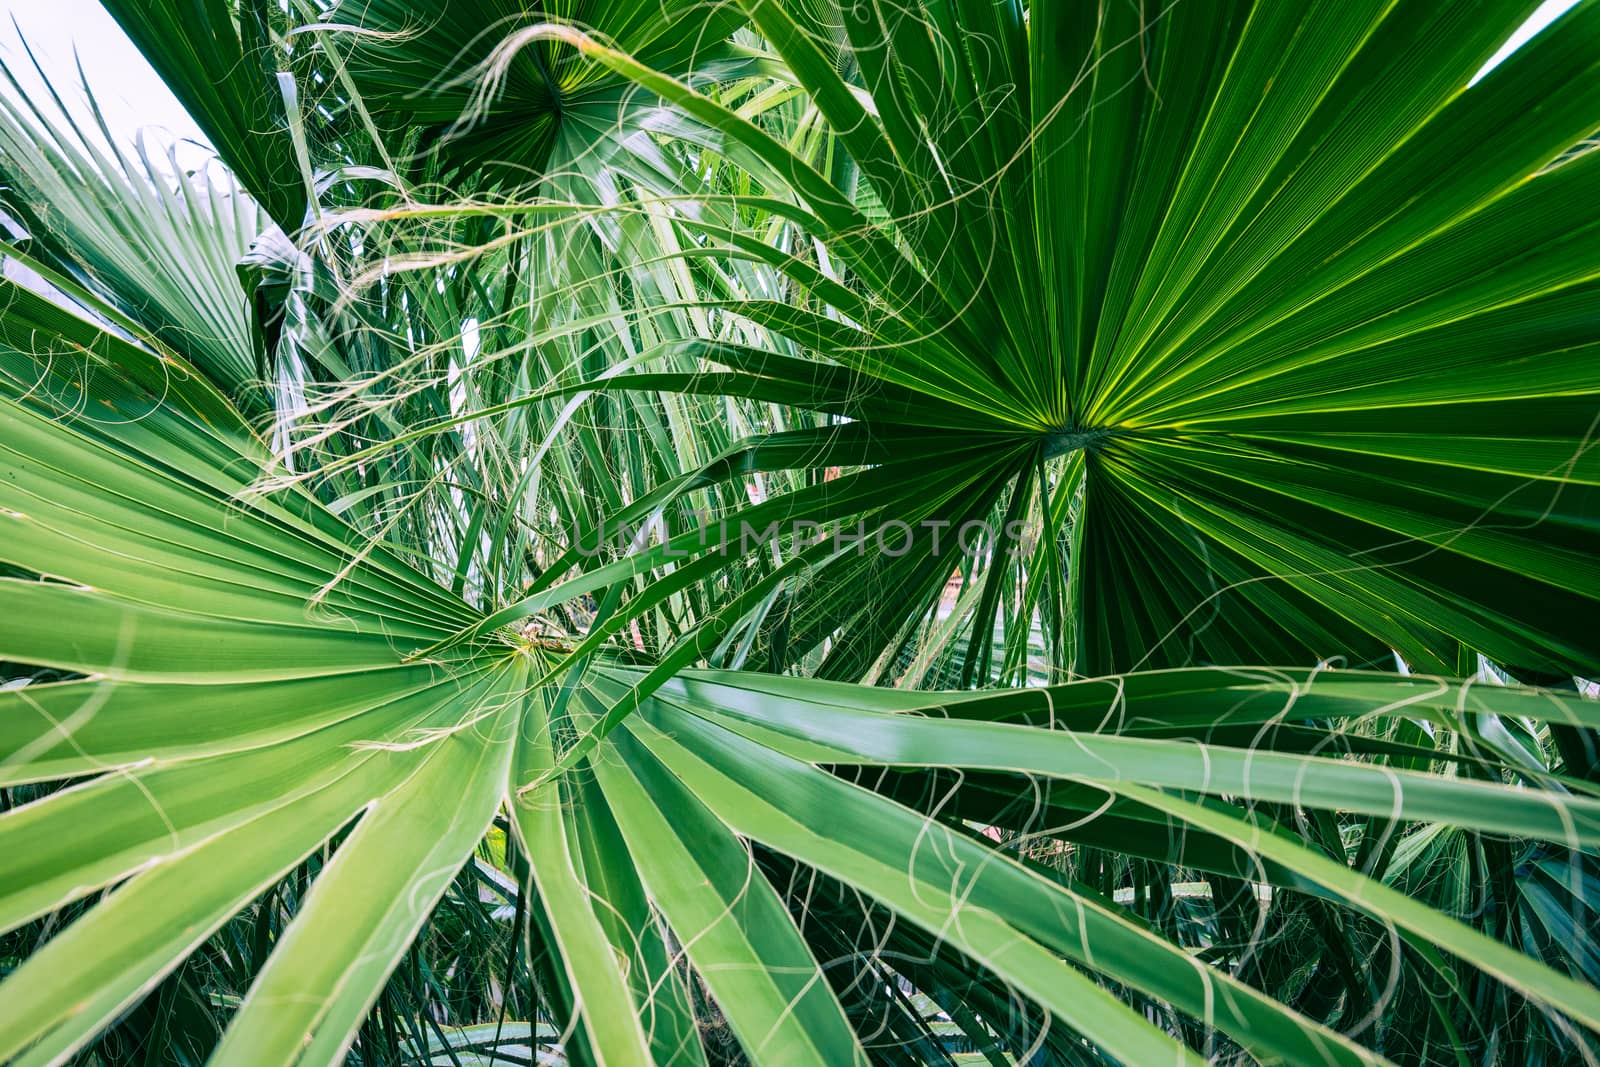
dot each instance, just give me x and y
(932, 532)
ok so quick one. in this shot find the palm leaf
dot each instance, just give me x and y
(1230, 368)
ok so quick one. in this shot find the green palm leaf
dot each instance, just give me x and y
(1232, 315)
